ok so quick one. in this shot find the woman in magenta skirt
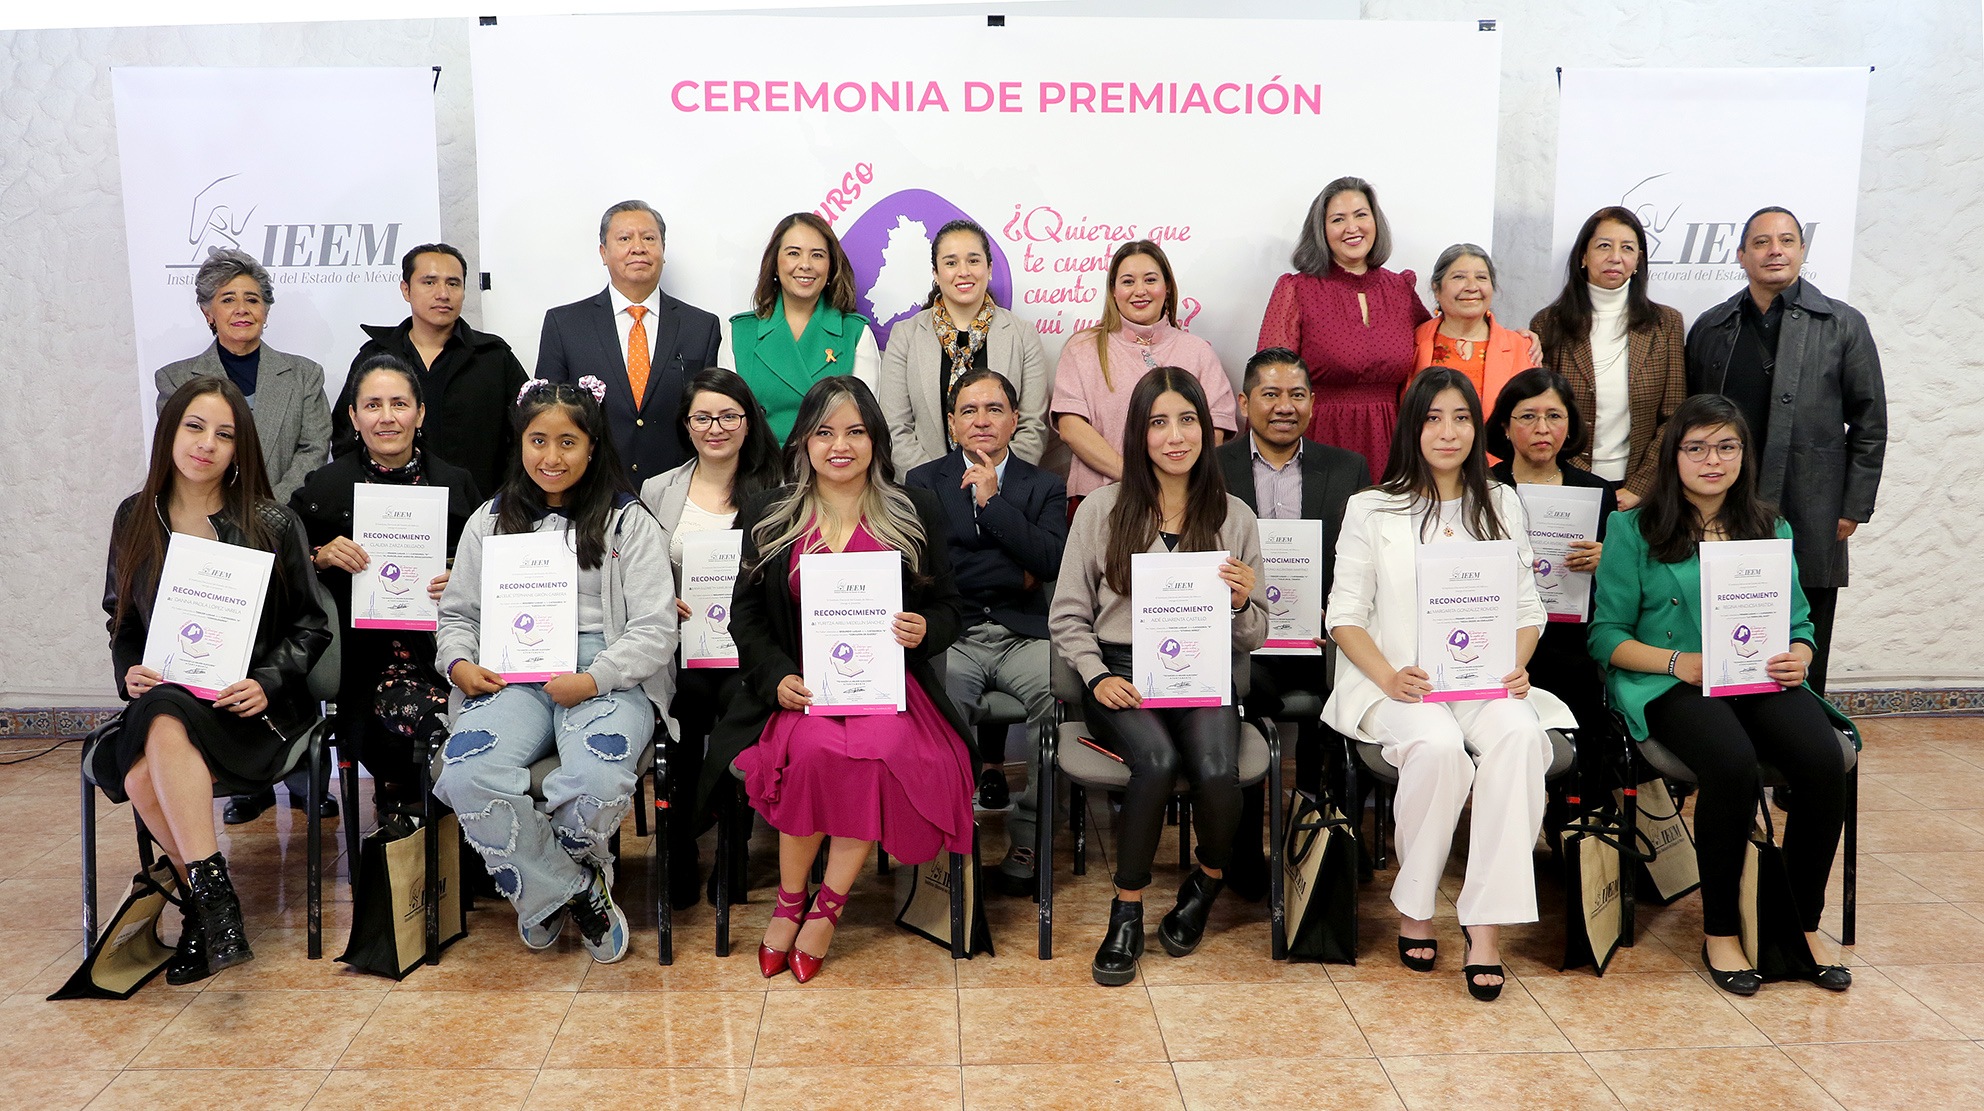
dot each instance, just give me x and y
(902, 779)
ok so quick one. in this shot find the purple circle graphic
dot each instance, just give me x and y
(390, 572)
(525, 622)
(1741, 635)
(1458, 638)
(1169, 648)
(888, 262)
(1274, 594)
(192, 631)
(716, 612)
(843, 651)
(1542, 567)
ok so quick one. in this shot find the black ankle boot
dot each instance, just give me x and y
(1181, 930)
(1116, 962)
(219, 911)
(189, 958)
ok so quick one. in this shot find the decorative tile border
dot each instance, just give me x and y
(77, 721)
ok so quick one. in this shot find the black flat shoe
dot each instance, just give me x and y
(1743, 981)
(242, 809)
(1116, 961)
(1487, 993)
(1832, 977)
(1180, 931)
(1418, 964)
(326, 809)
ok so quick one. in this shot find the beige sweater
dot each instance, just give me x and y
(1086, 612)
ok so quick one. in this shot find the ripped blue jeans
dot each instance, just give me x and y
(539, 854)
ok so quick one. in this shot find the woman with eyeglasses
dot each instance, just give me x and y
(1647, 631)
(1101, 366)
(734, 457)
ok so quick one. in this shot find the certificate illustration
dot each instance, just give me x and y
(530, 606)
(1746, 613)
(1292, 565)
(847, 607)
(209, 604)
(1560, 516)
(1467, 617)
(404, 531)
(709, 575)
(1181, 648)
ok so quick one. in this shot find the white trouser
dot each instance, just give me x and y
(1442, 750)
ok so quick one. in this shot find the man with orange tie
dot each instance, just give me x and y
(641, 342)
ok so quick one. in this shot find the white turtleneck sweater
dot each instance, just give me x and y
(1613, 424)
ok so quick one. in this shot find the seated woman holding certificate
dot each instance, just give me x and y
(1171, 499)
(554, 863)
(733, 457)
(206, 480)
(902, 778)
(1436, 490)
(1536, 430)
(388, 694)
(1647, 631)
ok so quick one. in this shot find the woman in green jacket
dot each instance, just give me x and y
(1646, 629)
(802, 326)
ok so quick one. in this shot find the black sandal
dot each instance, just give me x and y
(1418, 964)
(1487, 993)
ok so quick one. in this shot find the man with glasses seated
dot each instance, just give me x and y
(1008, 523)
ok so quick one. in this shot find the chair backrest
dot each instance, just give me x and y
(324, 677)
(1067, 685)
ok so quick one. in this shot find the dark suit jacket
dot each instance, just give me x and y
(1021, 530)
(468, 393)
(580, 339)
(764, 622)
(1828, 434)
(1329, 476)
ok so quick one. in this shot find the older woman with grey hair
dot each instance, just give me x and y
(291, 414)
(1464, 336)
(286, 391)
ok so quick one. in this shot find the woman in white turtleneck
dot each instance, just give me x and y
(1624, 356)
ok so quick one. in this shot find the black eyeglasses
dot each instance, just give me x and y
(729, 422)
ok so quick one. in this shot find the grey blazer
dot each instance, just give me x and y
(292, 418)
(913, 369)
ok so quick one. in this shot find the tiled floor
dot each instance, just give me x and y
(893, 1023)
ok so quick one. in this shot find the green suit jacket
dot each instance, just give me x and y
(780, 369)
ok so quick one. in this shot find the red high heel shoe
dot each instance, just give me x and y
(772, 961)
(827, 904)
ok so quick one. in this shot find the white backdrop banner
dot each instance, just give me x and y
(1692, 152)
(325, 175)
(1210, 137)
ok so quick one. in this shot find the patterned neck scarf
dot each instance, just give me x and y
(409, 475)
(960, 351)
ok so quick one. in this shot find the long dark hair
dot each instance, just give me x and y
(138, 542)
(1134, 519)
(1669, 522)
(372, 365)
(838, 287)
(590, 501)
(1571, 311)
(1534, 382)
(985, 243)
(1409, 475)
(757, 459)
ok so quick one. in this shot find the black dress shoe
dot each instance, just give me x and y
(1122, 944)
(1181, 930)
(1832, 977)
(327, 809)
(188, 963)
(993, 793)
(1743, 981)
(242, 809)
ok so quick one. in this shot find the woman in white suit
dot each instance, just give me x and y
(1437, 490)
(963, 329)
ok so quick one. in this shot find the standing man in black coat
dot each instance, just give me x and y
(469, 378)
(1008, 522)
(1284, 476)
(642, 343)
(1803, 369)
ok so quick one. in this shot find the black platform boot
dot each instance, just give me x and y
(1116, 962)
(189, 958)
(219, 910)
(1181, 930)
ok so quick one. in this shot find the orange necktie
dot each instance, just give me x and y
(637, 354)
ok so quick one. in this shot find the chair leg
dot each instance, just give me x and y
(313, 854)
(658, 872)
(1277, 909)
(1078, 824)
(958, 865)
(726, 837)
(1043, 859)
(430, 839)
(348, 787)
(89, 868)
(1850, 880)
(1629, 821)
(641, 804)
(882, 865)
(1381, 822)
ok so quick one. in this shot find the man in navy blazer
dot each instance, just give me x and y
(592, 337)
(1283, 475)
(1008, 523)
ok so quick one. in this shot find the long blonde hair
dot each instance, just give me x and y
(1112, 320)
(886, 510)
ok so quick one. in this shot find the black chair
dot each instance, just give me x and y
(1661, 761)
(306, 750)
(1086, 769)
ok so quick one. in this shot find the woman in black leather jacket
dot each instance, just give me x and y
(206, 480)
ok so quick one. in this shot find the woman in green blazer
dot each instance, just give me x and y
(1646, 630)
(802, 326)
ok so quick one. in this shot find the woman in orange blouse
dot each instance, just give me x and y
(1464, 336)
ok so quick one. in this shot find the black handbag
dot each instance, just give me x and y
(1596, 857)
(924, 892)
(1319, 881)
(389, 909)
(1767, 911)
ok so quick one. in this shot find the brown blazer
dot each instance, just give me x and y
(1656, 384)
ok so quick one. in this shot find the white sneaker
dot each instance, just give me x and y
(601, 923)
(545, 934)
